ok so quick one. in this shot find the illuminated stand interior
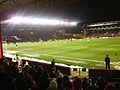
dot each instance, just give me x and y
(17, 20)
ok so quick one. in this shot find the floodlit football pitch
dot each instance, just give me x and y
(88, 53)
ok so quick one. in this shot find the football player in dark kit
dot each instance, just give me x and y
(107, 61)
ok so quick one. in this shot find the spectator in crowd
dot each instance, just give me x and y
(117, 86)
(44, 82)
(67, 84)
(21, 82)
(77, 84)
(107, 61)
(6, 82)
(109, 87)
(92, 86)
(59, 77)
(101, 83)
(53, 84)
(38, 74)
(34, 77)
(59, 74)
(60, 83)
(85, 83)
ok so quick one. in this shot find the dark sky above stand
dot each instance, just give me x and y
(88, 11)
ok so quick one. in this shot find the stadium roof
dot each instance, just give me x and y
(8, 7)
(104, 23)
(82, 10)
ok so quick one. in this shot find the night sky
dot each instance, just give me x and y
(88, 11)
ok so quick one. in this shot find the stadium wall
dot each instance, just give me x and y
(107, 74)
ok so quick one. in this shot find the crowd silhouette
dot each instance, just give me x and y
(35, 77)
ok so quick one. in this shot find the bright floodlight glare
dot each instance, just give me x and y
(54, 22)
(42, 21)
(73, 23)
(15, 20)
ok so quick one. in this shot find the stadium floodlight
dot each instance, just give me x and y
(38, 21)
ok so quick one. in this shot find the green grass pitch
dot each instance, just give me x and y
(80, 52)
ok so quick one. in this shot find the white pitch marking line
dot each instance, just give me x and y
(65, 51)
(74, 58)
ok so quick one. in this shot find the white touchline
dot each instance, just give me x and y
(66, 57)
(82, 60)
(74, 58)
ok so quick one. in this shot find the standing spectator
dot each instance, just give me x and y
(107, 61)
(53, 65)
